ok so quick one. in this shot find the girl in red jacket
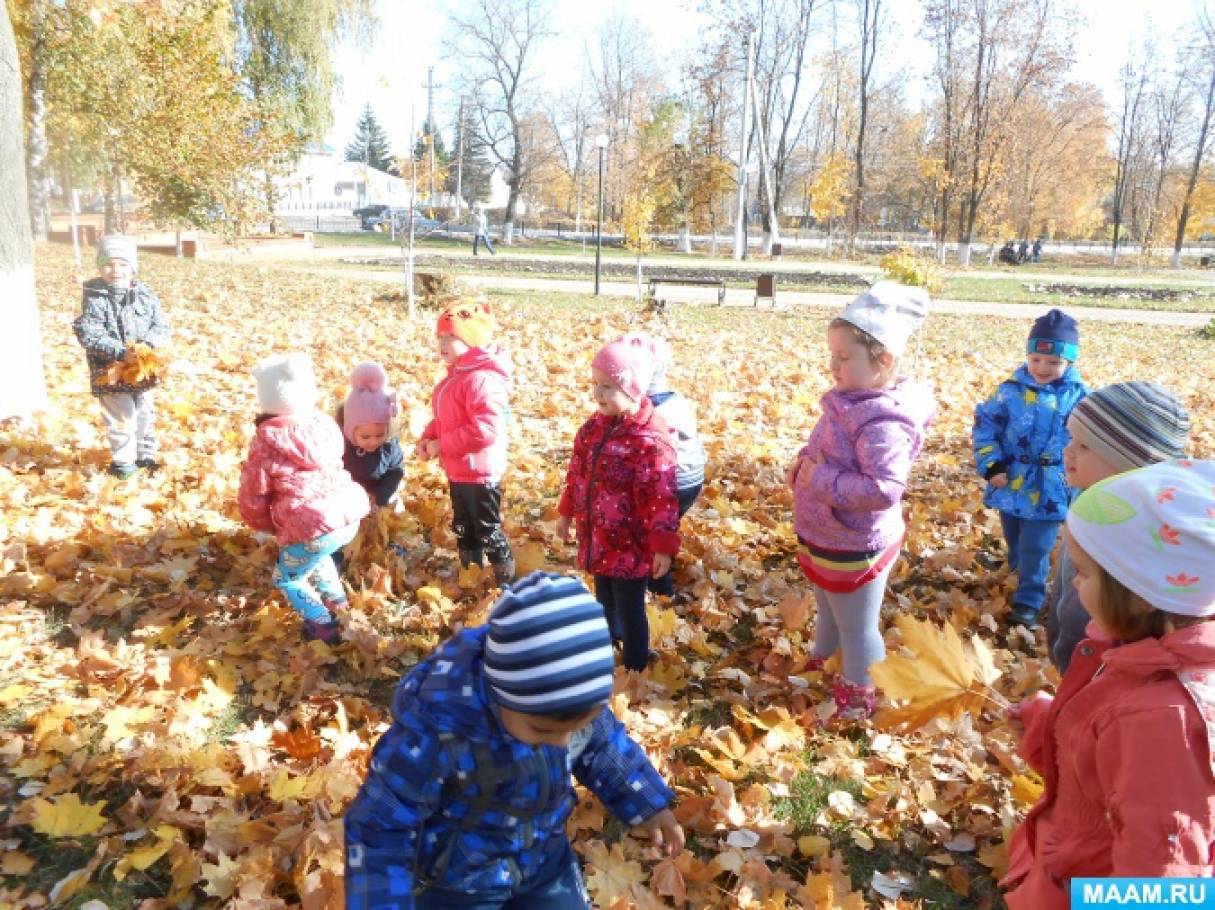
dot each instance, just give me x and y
(620, 494)
(1126, 746)
(293, 485)
(468, 434)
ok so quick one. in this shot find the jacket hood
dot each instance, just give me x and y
(307, 440)
(1188, 648)
(449, 689)
(906, 400)
(1022, 376)
(491, 358)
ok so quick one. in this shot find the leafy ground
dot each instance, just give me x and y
(170, 741)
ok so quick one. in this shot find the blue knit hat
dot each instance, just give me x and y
(1055, 334)
(549, 650)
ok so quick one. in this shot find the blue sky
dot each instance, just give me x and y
(389, 71)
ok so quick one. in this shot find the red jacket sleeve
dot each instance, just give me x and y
(486, 411)
(1032, 713)
(1153, 766)
(575, 471)
(656, 496)
(253, 497)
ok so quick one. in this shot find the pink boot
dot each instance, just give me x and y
(853, 701)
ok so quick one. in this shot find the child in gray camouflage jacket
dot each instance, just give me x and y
(119, 311)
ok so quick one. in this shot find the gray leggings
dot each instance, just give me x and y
(852, 622)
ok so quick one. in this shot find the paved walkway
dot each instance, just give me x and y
(741, 297)
(791, 266)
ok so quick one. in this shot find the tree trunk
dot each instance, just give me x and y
(1199, 152)
(22, 386)
(36, 166)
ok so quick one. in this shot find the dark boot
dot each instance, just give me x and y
(504, 572)
(470, 558)
(328, 632)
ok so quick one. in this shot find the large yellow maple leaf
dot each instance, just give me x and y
(944, 678)
(67, 816)
(611, 875)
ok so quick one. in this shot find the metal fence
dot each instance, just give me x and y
(795, 238)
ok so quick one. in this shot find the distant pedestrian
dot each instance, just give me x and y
(1037, 253)
(1023, 250)
(481, 235)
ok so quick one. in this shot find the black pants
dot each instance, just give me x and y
(477, 521)
(623, 602)
(686, 497)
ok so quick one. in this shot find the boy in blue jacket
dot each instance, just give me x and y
(1019, 436)
(469, 790)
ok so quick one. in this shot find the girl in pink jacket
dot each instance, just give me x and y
(293, 485)
(848, 483)
(1127, 747)
(468, 434)
(619, 496)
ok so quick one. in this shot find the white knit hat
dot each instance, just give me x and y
(1153, 530)
(890, 312)
(286, 384)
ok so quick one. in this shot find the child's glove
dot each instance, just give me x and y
(428, 449)
(664, 831)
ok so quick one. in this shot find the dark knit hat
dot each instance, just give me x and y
(1055, 334)
(1131, 424)
(549, 650)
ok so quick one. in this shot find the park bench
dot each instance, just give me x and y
(718, 283)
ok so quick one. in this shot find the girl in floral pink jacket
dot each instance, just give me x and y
(619, 493)
(293, 485)
(848, 482)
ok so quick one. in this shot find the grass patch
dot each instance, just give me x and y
(808, 793)
(235, 716)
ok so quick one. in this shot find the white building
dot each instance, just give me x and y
(323, 183)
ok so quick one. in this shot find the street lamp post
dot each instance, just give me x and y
(601, 142)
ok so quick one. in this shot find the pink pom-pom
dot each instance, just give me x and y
(369, 376)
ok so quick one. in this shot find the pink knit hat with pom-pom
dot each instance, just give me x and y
(629, 362)
(370, 399)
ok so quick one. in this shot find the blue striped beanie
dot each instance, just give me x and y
(548, 650)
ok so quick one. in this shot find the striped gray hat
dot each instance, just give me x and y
(1132, 424)
(549, 650)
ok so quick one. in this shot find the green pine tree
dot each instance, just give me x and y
(370, 144)
(475, 186)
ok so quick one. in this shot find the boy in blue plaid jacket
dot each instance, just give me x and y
(468, 793)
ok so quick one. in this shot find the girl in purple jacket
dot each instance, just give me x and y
(848, 482)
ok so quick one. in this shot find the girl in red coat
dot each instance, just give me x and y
(293, 485)
(468, 434)
(620, 494)
(1126, 746)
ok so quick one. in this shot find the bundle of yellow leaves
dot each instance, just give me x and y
(945, 678)
(148, 363)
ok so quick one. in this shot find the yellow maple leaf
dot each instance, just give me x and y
(142, 858)
(14, 863)
(1026, 789)
(611, 874)
(942, 679)
(67, 816)
(530, 557)
(220, 878)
